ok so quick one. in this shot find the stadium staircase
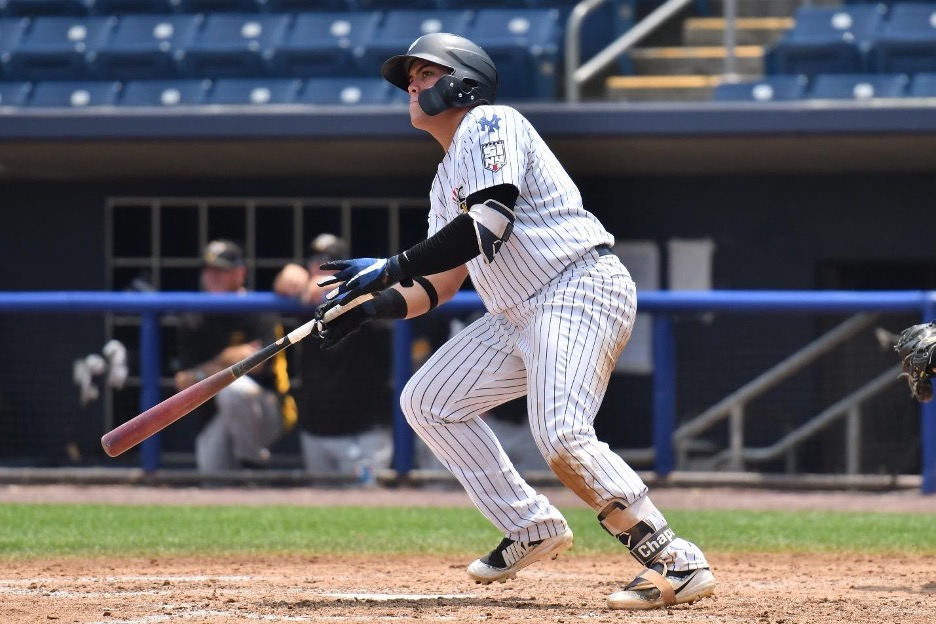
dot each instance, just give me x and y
(686, 60)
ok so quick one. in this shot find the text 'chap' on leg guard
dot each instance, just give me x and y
(640, 527)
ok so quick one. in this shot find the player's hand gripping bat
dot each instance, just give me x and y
(161, 415)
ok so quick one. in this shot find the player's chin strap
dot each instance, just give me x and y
(631, 525)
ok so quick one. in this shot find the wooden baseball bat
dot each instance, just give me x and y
(163, 414)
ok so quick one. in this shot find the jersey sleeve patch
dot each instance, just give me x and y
(494, 155)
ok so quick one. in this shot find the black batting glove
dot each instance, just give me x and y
(342, 326)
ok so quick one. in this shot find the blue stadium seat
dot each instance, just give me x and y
(42, 8)
(303, 6)
(400, 28)
(907, 43)
(399, 5)
(350, 91)
(886, 3)
(325, 44)
(131, 7)
(525, 45)
(234, 45)
(604, 24)
(145, 46)
(164, 93)
(857, 86)
(218, 6)
(826, 40)
(486, 4)
(73, 94)
(11, 33)
(778, 88)
(57, 48)
(14, 93)
(923, 85)
(254, 91)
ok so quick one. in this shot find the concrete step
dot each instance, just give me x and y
(710, 31)
(695, 60)
(768, 8)
(686, 88)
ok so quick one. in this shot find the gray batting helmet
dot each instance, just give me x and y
(475, 77)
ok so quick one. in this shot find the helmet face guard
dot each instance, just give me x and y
(450, 92)
(472, 78)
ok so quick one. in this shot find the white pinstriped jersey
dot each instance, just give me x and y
(497, 145)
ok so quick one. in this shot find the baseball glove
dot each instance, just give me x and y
(916, 346)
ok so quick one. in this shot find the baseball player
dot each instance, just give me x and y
(560, 308)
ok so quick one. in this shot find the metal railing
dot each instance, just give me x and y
(664, 304)
(731, 408)
(578, 73)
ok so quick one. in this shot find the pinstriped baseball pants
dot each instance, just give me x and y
(558, 349)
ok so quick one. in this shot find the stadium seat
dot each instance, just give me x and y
(57, 48)
(826, 40)
(767, 89)
(399, 5)
(14, 93)
(525, 45)
(349, 91)
(207, 7)
(604, 24)
(907, 43)
(73, 94)
(43, 8)
(303, 6)
(923, 85)
(857, 86)
(145, 46)
(400, 28)
(486, 4)
(233, 45)
(325, 44)
(11, 33)
(254, 91)
(131, 7)
(163, 93)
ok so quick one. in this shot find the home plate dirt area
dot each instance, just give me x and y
(752, 587)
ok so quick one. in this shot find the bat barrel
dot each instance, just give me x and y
(160, 416)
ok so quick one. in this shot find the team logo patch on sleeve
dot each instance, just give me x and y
(494, 155)
(491, 124)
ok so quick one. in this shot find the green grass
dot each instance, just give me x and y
(43, 530)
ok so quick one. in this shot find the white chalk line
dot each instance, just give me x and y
(46, 586)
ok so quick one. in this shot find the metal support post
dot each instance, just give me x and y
(664, 393)
(150, 395)
(403, 447)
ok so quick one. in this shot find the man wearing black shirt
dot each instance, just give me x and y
(344, 431)
(238, 425)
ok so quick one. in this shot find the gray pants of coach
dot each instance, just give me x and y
(248, 421)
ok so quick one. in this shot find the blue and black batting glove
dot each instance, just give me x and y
(360, 276)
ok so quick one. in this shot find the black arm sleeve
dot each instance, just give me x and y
(456, 243)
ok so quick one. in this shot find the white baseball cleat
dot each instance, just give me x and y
(510, 556)
(656, 587)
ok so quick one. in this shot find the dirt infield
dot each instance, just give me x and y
(771, 589)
